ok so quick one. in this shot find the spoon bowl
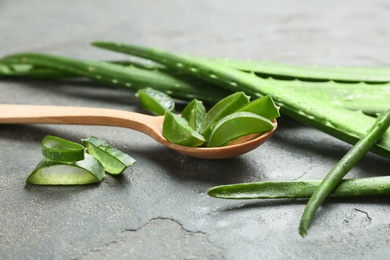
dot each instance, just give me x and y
(149, 125)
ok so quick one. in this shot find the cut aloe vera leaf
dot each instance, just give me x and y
(221, 109)
(263, 106)
(113, 160)
(237, 125)
(155, 101)
(177, 130)
(82, 172)
(61, 150)
(194, 113)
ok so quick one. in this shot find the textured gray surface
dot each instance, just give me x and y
(159, 207)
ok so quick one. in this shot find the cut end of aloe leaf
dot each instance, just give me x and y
(48, 172)
(113, 160)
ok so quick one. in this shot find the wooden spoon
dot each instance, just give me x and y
(150, 125)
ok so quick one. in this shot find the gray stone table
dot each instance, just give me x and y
(159, 208)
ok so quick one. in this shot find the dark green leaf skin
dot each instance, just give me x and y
(342, 123)
(338, 172)
(348, 188)
(131, 77)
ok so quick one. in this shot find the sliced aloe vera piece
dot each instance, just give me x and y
(237, 125)
(223, 108)
(194, 113)
(155, 101)
(263, 106)
(49, 172)
(113, 160)
(177, 130)
(61, 150)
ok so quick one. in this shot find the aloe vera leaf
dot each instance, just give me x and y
(371, 99)
(350, 96)
(338, 172)
(31, 71)
(339, 122)
(337, 73)
(40, 72)
(130, 77)
(347, 188)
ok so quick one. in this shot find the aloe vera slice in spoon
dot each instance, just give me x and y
(113, 160)
(177, 130)
(221, 109)
(263, 106)
(155, 101)
(194, 113)
(82, 172)
(237, 125)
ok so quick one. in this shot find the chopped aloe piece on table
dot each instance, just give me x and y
(177, 130)
(263, 106)
(155, 101)
(61, 150)
(194, 113)
(113, 160)
(237, 125)
(49, 172)
(221, 109)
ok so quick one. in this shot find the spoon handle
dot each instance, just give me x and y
(34, 114)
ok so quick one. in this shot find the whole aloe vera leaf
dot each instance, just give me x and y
(130, 77)
(344, 124)
(338, 172)
(294, 71)
(350, 96)
(347, 188)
